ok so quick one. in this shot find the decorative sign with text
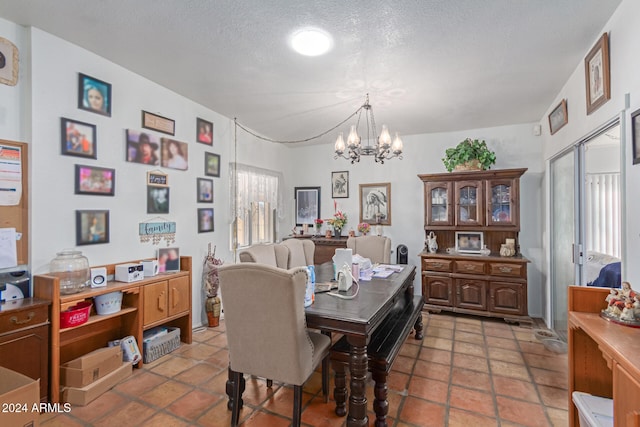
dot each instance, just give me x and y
(156, 231)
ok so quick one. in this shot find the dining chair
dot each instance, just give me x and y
(301, 252)
(264, 308)
(272, 254)
(376, 248)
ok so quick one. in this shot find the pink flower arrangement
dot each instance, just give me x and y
(339, 220)
(364, 228)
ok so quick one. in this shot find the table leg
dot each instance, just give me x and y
(358, 366)
(380, 403)
(418, 327)
(340, 389)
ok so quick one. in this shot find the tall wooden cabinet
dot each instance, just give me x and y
(161, 300)
(490, 285)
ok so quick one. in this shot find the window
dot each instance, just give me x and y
(256, 197)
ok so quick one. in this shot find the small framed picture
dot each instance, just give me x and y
(168, 260)
(635, 136)
(212, 164)
(469, 241)
(92, 227)
(340, 185)
(78, 138)
(157, 179)
(94, 180)
(558, 117)
(375, 203)
(143, 147)
(94, 95)
(204, 131)
(205, 220)
(307, 205)
(175, 154)
(158, 123)
(596, 67)
(205, 190)
(157, 200)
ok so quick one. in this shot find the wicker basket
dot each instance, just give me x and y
(162, 345)
(471, 165)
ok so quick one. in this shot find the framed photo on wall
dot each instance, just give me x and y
(596, 67)
(307, 205)
(157, 200)
(205, 220)
(635, 136)
(143, 148)
(558, 117)
(175, 154)
(158, 123)
(204, 131)
(92, 227)
(94, 180)
(78, 138)
(94, 95)
(205, 190)
(375, 203)
(212, 164)
(340, 185)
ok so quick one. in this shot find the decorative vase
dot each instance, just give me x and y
(213, 311)
(485, 251)
(337, 231)
(73, 270)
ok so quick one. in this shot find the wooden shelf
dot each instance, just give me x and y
(99, 318)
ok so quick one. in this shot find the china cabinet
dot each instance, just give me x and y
(484, 284)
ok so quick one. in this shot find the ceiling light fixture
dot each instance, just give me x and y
(311, 42)
(383, 150)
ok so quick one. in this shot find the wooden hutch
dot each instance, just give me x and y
(475, 201)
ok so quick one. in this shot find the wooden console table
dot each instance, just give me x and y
(325, 247)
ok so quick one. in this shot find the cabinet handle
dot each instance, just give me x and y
(436, 264)
(161, 301)
(175, 297)
(15, 321)
(504, 269)
(469, 267)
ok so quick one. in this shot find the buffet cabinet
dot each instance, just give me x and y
(487, 202)
(164, 300)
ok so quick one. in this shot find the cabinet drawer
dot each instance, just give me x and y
(436, 264)
(19, 319)
(470, 267)
(506, 269)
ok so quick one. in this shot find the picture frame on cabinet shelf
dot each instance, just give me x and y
(212, 164)
(168, 260)
(94, 95)
(307, 205)
(375, 203)
(93, 180)
(92, 227)
(558, 117)
(157, 199)
(635, 136)
(340, 185)
(204, 131)
(470, 242)
(597, 77)
(205, 190)
(78, 138)
(205, 220)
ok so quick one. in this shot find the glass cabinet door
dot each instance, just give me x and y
(469, 203)
(500, 201)
(438, 199)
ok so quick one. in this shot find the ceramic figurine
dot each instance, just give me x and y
(431, 243)
(623, 304)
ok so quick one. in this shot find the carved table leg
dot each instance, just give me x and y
(380, 403)
(418, 328)
(340, 389)
(358, 365)
(230, 388)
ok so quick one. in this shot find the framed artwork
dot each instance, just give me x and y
(8, 62)
(340, 185)
(143, 148)
(157, 200)
(212, 164)
(205, 190)
(469, 241)
(596, 65)
(94, 95)
(175, 154)
(92, 227)
(204, 131)
(307, 204)
(558, 117)
(157, 179)
(78, 138)
(168, 260)
(94, 180)
(205, 220)
(375, 203)
(158, 123)
(635, 136)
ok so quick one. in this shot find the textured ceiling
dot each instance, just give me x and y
(428, 65)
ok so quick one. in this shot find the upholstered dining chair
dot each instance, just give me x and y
(301, 252)
(272, 254)
(376, 248)
(264, 308)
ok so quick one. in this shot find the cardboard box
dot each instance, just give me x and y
(90, 367)
(19, 399)
(83, 395)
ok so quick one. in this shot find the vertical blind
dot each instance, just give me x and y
(603, 213)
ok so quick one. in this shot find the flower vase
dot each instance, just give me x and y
(337, 232)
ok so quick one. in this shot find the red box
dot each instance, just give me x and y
(76, 315)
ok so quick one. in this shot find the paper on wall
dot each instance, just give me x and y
(8, 251)
(10, 175)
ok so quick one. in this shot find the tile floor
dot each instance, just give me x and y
(466, 372)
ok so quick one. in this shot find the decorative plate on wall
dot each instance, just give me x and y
(8, 62)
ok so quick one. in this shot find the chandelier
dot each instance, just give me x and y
(383, 150)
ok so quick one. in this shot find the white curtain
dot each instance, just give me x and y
(603, 213)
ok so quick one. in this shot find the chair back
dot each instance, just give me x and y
(376, 248)
(271, 254)
(301, 252)
(265, 321)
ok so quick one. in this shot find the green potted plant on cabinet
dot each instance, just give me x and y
(470, 154)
